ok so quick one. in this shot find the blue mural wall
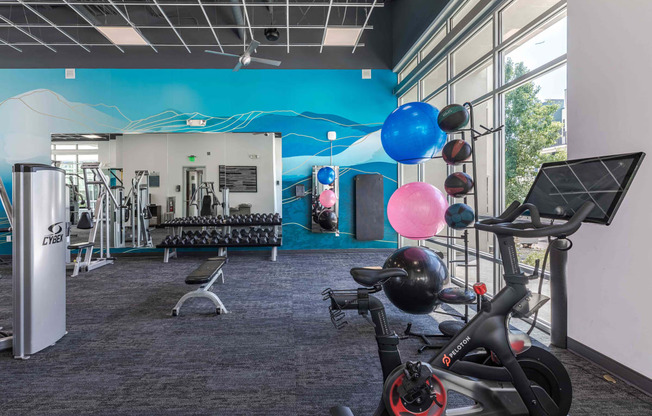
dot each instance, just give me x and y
(303, 105)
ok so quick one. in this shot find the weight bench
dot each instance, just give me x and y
(81, 260)
(205, 275)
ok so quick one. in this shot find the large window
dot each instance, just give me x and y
(521, 13)
(535, 129)
(477, 83)
(409, 68)
(434, 41)
(410, 96)
(537, 49)
(473, 49)
(463, 11)
(435, 79)
(511, 65)
(70, 157)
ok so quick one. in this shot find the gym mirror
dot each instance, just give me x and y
(154, 177)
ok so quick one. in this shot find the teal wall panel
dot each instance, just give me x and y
(303, 105)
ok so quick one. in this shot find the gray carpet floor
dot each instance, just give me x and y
(275, 353)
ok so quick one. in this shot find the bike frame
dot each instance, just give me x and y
(497, 390)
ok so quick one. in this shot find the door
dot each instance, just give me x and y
(193, 177)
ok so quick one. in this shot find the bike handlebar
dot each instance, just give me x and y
(505, 225)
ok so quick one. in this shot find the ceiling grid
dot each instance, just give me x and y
(185, 24)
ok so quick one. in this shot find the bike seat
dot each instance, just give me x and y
(371, 276)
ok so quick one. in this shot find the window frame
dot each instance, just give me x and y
(442, 54)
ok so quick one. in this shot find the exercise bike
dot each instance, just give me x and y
(516, 379)
(510, 377)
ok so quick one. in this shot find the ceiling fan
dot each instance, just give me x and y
(245, 59)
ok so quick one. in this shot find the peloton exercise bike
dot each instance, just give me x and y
(510, 377)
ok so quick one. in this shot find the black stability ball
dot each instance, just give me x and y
(427, 275)
(327, 220)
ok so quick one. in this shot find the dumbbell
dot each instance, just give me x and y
(244, 240)
(235, 240)
(215, 240)
(253, 240)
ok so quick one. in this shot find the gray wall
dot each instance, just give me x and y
(609, 86)
(410, 18)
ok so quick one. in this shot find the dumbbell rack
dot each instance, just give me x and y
(225, 225)
(219, 221)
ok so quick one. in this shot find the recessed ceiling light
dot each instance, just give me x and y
(122, 35)
(91, 136)
(342, 36)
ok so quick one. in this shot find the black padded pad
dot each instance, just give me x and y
(451, 328)
(206, 206)
(369, 276)
(76, 246)
(369, 207)
(456, 296)
(204, 273)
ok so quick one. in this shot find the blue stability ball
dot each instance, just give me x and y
(326, 175)
(411, 134)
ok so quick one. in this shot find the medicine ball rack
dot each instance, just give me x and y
(213, 228)
(460, 295)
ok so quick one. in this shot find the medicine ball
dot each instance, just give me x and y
(458, 184)
(327, 220)
(459, 216)
(427, 275)
(452, 118)
(456, 151)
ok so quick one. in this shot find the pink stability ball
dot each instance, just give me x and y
(416, 210)
(327, 198)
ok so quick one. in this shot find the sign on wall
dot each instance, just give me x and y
(239, 178)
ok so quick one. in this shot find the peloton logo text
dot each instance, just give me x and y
(447, 358)
(57, 234)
